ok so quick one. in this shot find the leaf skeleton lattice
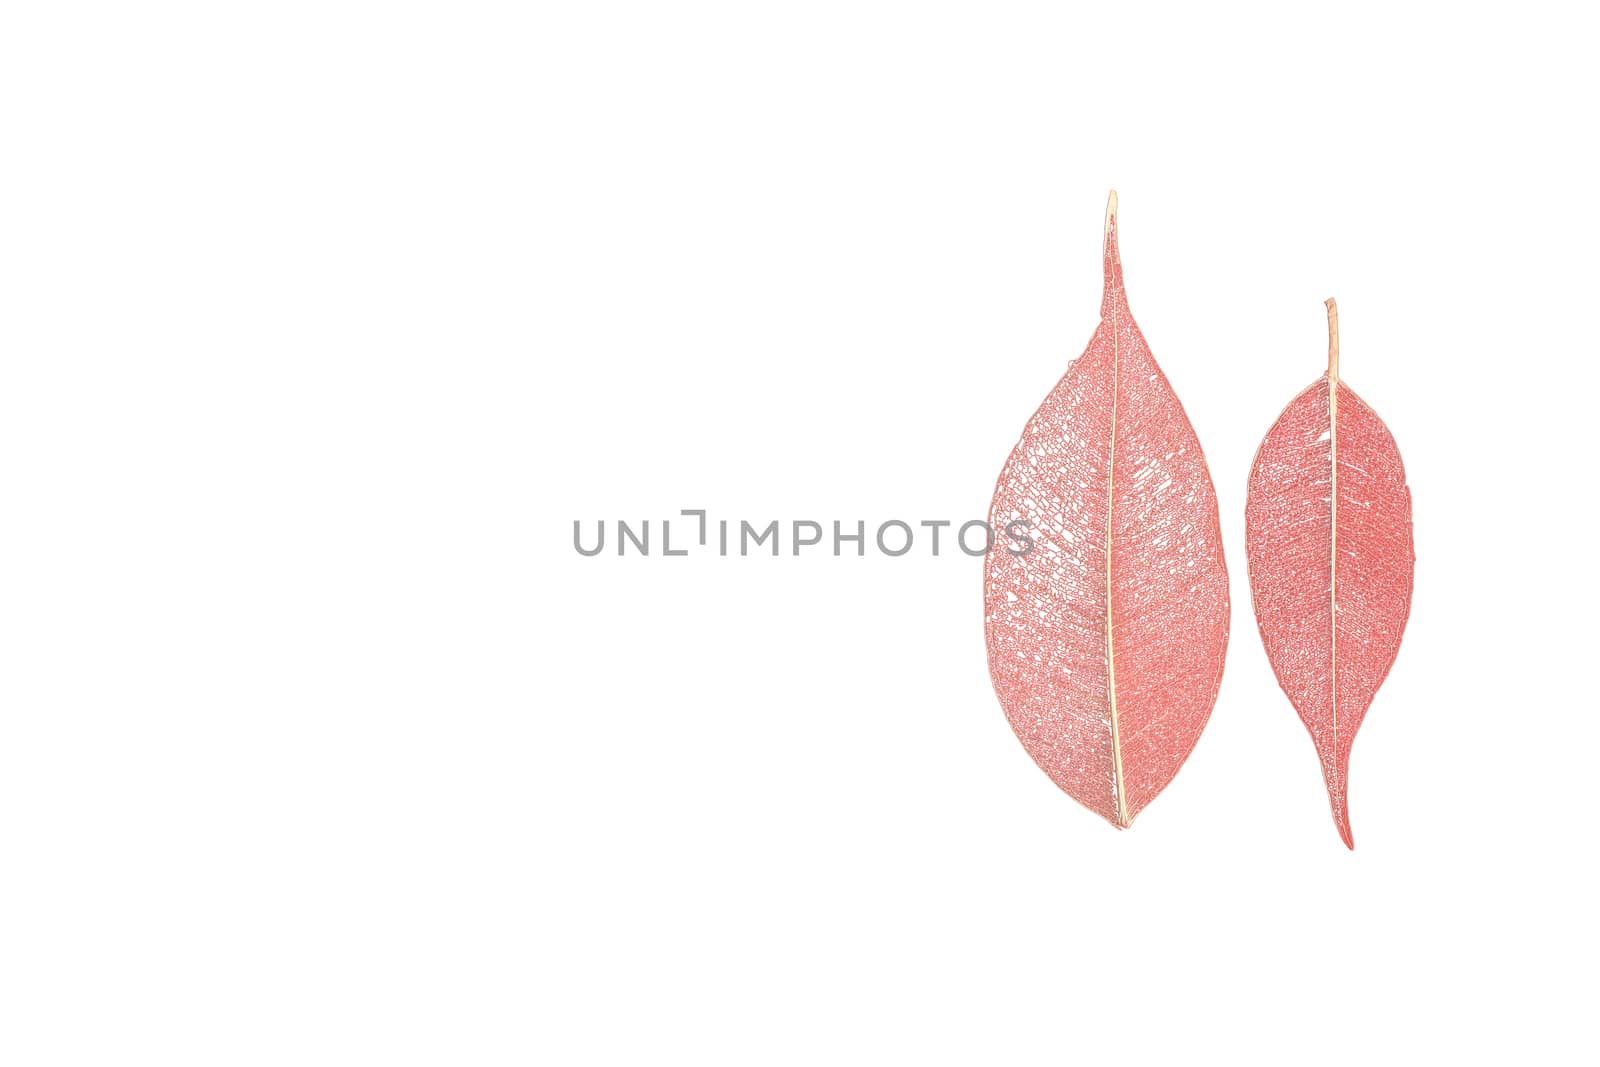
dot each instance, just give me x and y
(1106, 642)
(1329, 546)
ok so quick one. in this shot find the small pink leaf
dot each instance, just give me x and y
(1106, 639)
(1328, 536)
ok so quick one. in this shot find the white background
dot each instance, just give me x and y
(322, 322)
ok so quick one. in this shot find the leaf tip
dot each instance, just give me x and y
(1109, 250)
(1341, 819)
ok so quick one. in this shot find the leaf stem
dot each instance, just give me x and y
(1333, 339)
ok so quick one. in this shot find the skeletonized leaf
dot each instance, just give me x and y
(1106, 640)
(1328, 536)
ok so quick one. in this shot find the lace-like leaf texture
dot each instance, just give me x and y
(1106, 640)
(1328, 538)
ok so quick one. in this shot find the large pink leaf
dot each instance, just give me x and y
(1328, 536)
(1106, 640)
